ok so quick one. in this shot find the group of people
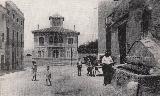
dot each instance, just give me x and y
(48, 74)
(92, 68)
(91, 64)
(107, 63)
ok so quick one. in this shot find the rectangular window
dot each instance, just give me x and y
(70, 40)
(2, 37)
(17, 20)
(17, 39)
(61, 53)
(21, 40)
(21, 22)
(17, 52)
(13, 16)
(13, 38)
(39, 53)
(7, 36)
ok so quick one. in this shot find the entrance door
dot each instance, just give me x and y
(122, 42)
(55, 54)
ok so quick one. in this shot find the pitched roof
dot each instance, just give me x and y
(55, 29)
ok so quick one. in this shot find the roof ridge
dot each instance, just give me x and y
(55, 29)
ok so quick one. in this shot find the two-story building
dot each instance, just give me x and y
(55, 45)
(2, 35)
(11, 36)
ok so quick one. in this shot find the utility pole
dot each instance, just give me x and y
(71, 54)
(72, 46)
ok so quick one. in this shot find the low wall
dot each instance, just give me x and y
(148, 85)
(56, 62)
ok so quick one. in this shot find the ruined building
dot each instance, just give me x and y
(55, 45)
(132, 21)
(134, 26)
(11, 36)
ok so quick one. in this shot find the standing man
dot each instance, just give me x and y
(48, 77)
(34, 71)
(107, 67)
(79, 66)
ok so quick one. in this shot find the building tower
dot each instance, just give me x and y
(56, 20)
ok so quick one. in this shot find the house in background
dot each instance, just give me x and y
(11, 36)
(55, 45)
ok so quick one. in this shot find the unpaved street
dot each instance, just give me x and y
(65, 82)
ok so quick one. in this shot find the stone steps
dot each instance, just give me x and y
(56, 63)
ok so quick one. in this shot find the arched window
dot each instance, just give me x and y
(60, 39)
(50, 40)
(41, 41)
(56, 38)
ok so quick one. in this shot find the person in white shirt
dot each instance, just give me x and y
(107, 68)
(107, 60)
(79, 66)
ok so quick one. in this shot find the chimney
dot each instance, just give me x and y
(74, 27)
(38, 26)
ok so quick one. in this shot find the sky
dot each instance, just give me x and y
(81, 13)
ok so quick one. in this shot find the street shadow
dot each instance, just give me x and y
(3, 72)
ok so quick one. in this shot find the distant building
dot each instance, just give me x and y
(55, 44)
(12, 36)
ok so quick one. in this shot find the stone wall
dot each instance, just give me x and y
(135, 14)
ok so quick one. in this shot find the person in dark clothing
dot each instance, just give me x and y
(48, 77)
(107, 68)
(79, 66)
(34, 71)
(89, 68)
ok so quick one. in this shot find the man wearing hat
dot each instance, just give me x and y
(107, 67)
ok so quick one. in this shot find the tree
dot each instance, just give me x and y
(90, 47)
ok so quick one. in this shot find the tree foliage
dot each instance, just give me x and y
(90, 47)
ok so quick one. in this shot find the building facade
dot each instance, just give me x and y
(2, 35)
(55, 44)
(134, 21)
(12, 37)
(105, 7)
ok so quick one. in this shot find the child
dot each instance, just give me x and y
(34, 71)
(48, 77)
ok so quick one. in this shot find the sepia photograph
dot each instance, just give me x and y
(79, 47)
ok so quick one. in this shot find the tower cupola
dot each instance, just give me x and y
(56, 20)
